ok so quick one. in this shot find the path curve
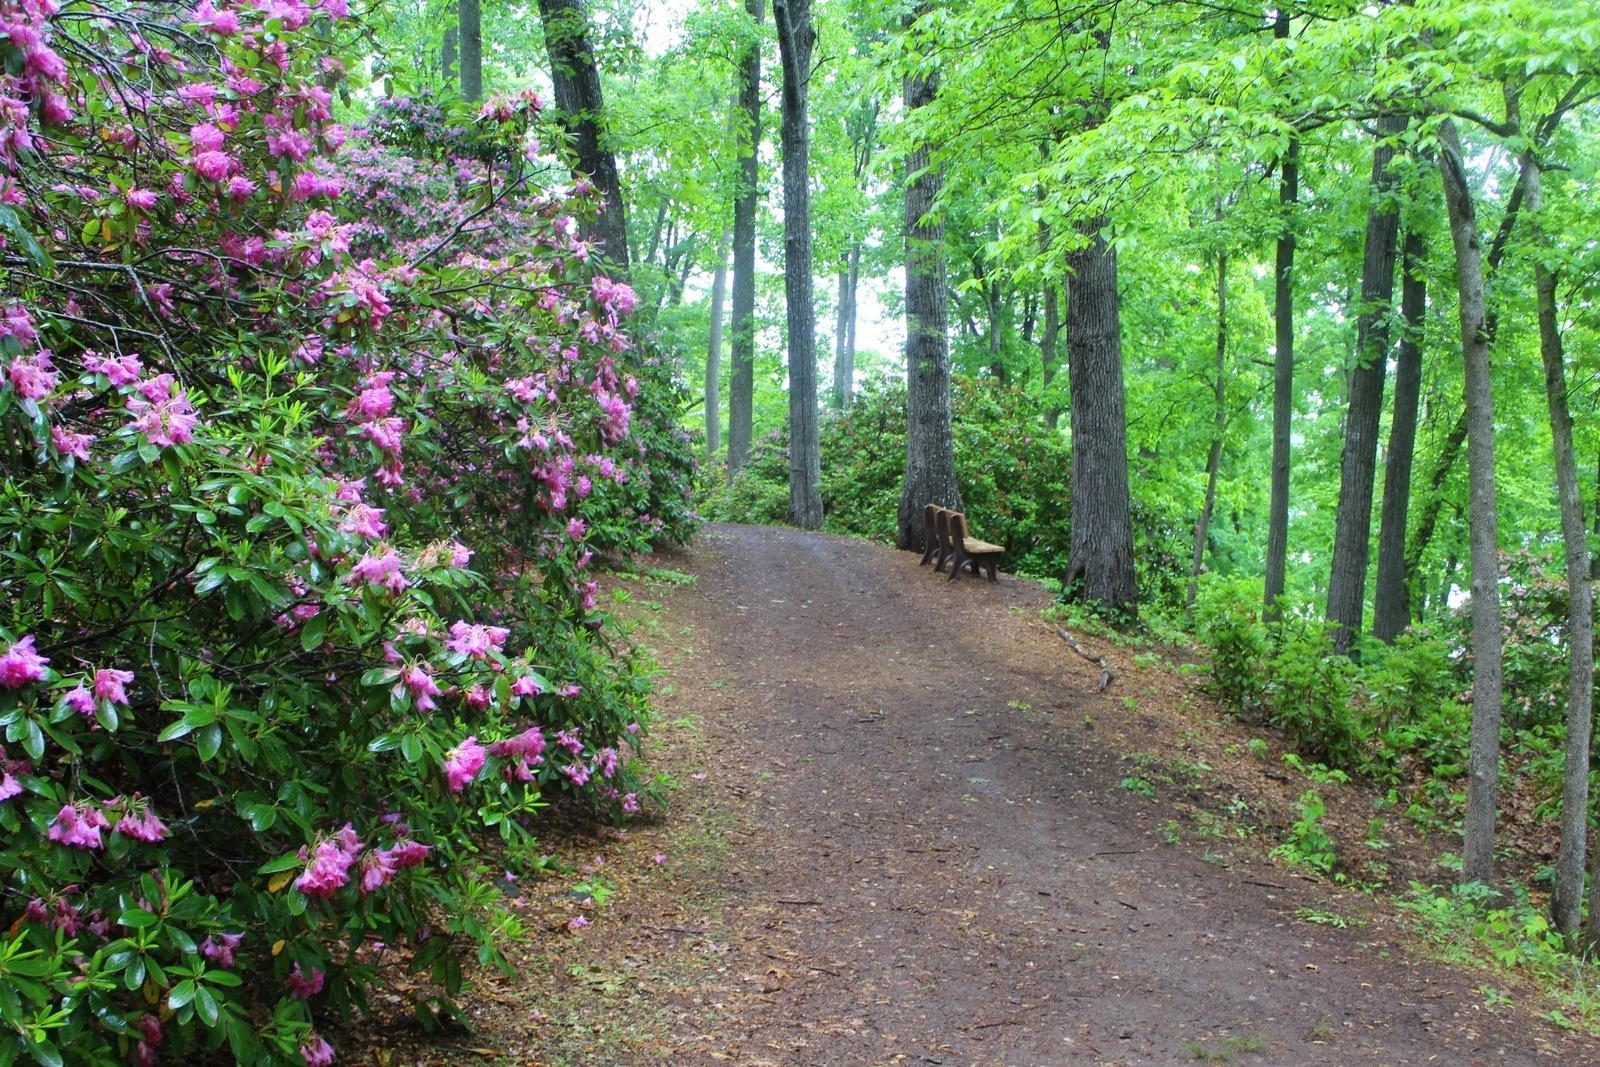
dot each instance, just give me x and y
(932, 870)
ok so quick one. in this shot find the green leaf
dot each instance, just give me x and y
(206, 1005)
(181, 994)
(208, 741)
(33, 740)
(312, 634)
(411, 748)
(106, 713)
(138, 919)
(286, 862)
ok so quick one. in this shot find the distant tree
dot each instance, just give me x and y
(469, 17)
(930, 453)
(577, 90)
(796, 39)
(741, 379)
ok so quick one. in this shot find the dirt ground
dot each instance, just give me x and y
(905, 833)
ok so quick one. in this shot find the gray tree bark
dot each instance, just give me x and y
(1214, 458)
(713, 400)
(796, 39)
(1282, 361)
(1477, 853)
(447, 50)
(1100, 562)
(844, 335)
(1347, 581)
(741, 379)
(577, 90)
(469, 21)
(930, 449)
(1391, 611)
(1566, 905)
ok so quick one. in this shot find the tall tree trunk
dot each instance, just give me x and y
(719, 290)
(1390, 610)
(1049, 346)
(447, 50)
(741, 380)
(1100, 562)
(1477, 853)
(1282, 360)
(577, 91)
(844, 353)
(1450, 451)
(930, 449)
(1214, 459)
(469, 21)
(796, 38)
(1347, 582)
(1566, 905)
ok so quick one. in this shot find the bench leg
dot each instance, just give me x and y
(955, 572)
(927, 553)
(974, 563)
(991, 565)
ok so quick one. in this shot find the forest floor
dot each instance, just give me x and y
(910, 828)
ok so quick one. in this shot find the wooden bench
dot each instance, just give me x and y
(949, 539)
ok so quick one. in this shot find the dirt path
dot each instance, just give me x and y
(901, 840)
(932, 870)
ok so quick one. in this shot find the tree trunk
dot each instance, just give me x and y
(1282, 361)
(447, 52)
(1100, 563)
(577, 92)
(1477, 853)
(1049, 345)
(796, 38)
(850, 325)
(930, 448)
(1390, 610)
(469, 20)
(741, 380)
(1566, 905)
(844, 334)
(1214, 460)
(719, 290)
(1347, 582)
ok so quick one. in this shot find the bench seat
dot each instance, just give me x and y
(981, 548)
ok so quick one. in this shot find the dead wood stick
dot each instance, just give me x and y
(1106, 673)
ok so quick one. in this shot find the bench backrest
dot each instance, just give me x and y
(941, 528)
(958, 531)
(929, 532)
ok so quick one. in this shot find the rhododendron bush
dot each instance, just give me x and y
(307, 449)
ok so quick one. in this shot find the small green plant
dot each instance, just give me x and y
(1375, 838)
(1226, 1049)
(1173, 832)
(1258, 748)
(1323, 917)
(1308, 844)
(1142, 786)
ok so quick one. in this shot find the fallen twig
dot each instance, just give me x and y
(1107, 675)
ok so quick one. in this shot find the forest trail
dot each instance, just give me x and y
(902, 838)
(927, 866)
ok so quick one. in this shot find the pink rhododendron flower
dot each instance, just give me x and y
(67, 443)
(221, 23)
(460, 555)
(122, 370)
(577, 772)
(410, 853)
(317, 1052)
(474, 640)
(80, 700)
(164, 415)
(9, 786)
(570, 740)
(577, 922)
(21, 665)
(143, 199)
(33, 376)
(108, 685)
(213, 166)
(462, 764)
(302, 988)
(221, 952)
(478, 697)
(630, 803)
(380, 568)
(78, 827)
(149, 1039)
(142, 825)
(421, 686)
(327, 872)
(526, 685)
(377, 867)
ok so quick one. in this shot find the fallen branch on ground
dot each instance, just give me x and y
(1106, 673)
